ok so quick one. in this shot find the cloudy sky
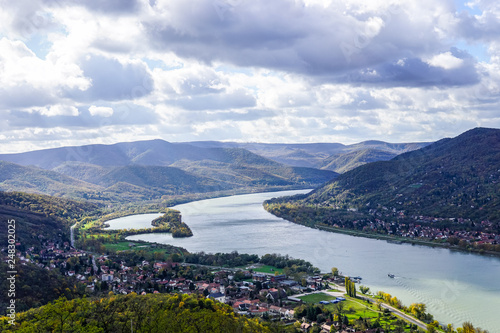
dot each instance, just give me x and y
(89, 71)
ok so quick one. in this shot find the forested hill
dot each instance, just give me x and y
(145, 313)
(451, 178)
(39, 214)
(149, 170)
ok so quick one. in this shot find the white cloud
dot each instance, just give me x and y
(101, 111)
(59, 110)
(286, 70)
(445, 60)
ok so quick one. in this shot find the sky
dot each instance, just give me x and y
(77, 72)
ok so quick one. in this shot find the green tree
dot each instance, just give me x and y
(364, 290)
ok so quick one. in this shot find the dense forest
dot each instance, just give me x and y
(447, 191)
(145, 313)
(41, 217)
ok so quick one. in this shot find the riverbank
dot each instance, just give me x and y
(444, 280)
(400, 240)
(355, 224)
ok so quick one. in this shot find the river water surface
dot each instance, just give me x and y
(455, 286)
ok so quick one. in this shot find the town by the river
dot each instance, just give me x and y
(456, 286)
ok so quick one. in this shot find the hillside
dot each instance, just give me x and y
(15, 177)
(127, 172)
(152, 152)
(146, 313)
(35, 213)
(347, 161)
(328, 156)
(452, 178)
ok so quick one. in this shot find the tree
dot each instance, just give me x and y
(468, 327)
(350, 287)
(364, 290)
(335, 271)
(339, 310)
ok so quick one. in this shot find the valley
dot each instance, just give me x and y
(439, 194)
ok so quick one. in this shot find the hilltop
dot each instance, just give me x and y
(456, 177)
(448, 192)
(149, 170)
(326, 156)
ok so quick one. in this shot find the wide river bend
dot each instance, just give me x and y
(455, 286)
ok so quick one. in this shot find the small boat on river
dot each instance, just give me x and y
(391, 275)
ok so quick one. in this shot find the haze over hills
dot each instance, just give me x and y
(347, 161)
(451, 178)
(322, 155)
(149, 170)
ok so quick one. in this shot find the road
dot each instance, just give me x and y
(395, 311)
(405, 316)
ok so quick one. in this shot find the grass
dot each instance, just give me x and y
(124, 246)
(268, 269)
(316, 298)
(355, 308)
(88, 225)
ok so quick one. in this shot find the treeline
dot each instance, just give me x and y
(36, 286)
(173, 220)
(415, 309)
(314, 215)
(235, 259)
(93, 238)
(40, 217)
(48, 205)
(146, 313)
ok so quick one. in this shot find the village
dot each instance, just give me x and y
(272, 296)
(464, 234)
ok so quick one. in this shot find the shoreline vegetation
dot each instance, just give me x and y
(90, 233)
(344, 221)
(91, 230)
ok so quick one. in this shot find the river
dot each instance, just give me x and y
(456, 286)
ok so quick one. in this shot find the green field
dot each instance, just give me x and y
(357, 308)
(268, 269)
(316, 298)
(124, 246)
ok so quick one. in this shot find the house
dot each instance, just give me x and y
(305, 327)
(107, 277)
(276, 295)
(220, 297)
(259, 277)
(278, 278)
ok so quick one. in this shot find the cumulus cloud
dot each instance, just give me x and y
(113, 80)
(320, 40)
(446, 61)
(102, 111)
(285, 70)
(59, 110)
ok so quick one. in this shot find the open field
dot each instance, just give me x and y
(268, 269)
(316, 298)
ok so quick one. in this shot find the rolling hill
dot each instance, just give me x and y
(15, 177)
(347, 161)
(452, 178)
(149, 170)
(328, 156)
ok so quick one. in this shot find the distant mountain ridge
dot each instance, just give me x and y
(147, 170)
(451, 178)
(321, 155)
